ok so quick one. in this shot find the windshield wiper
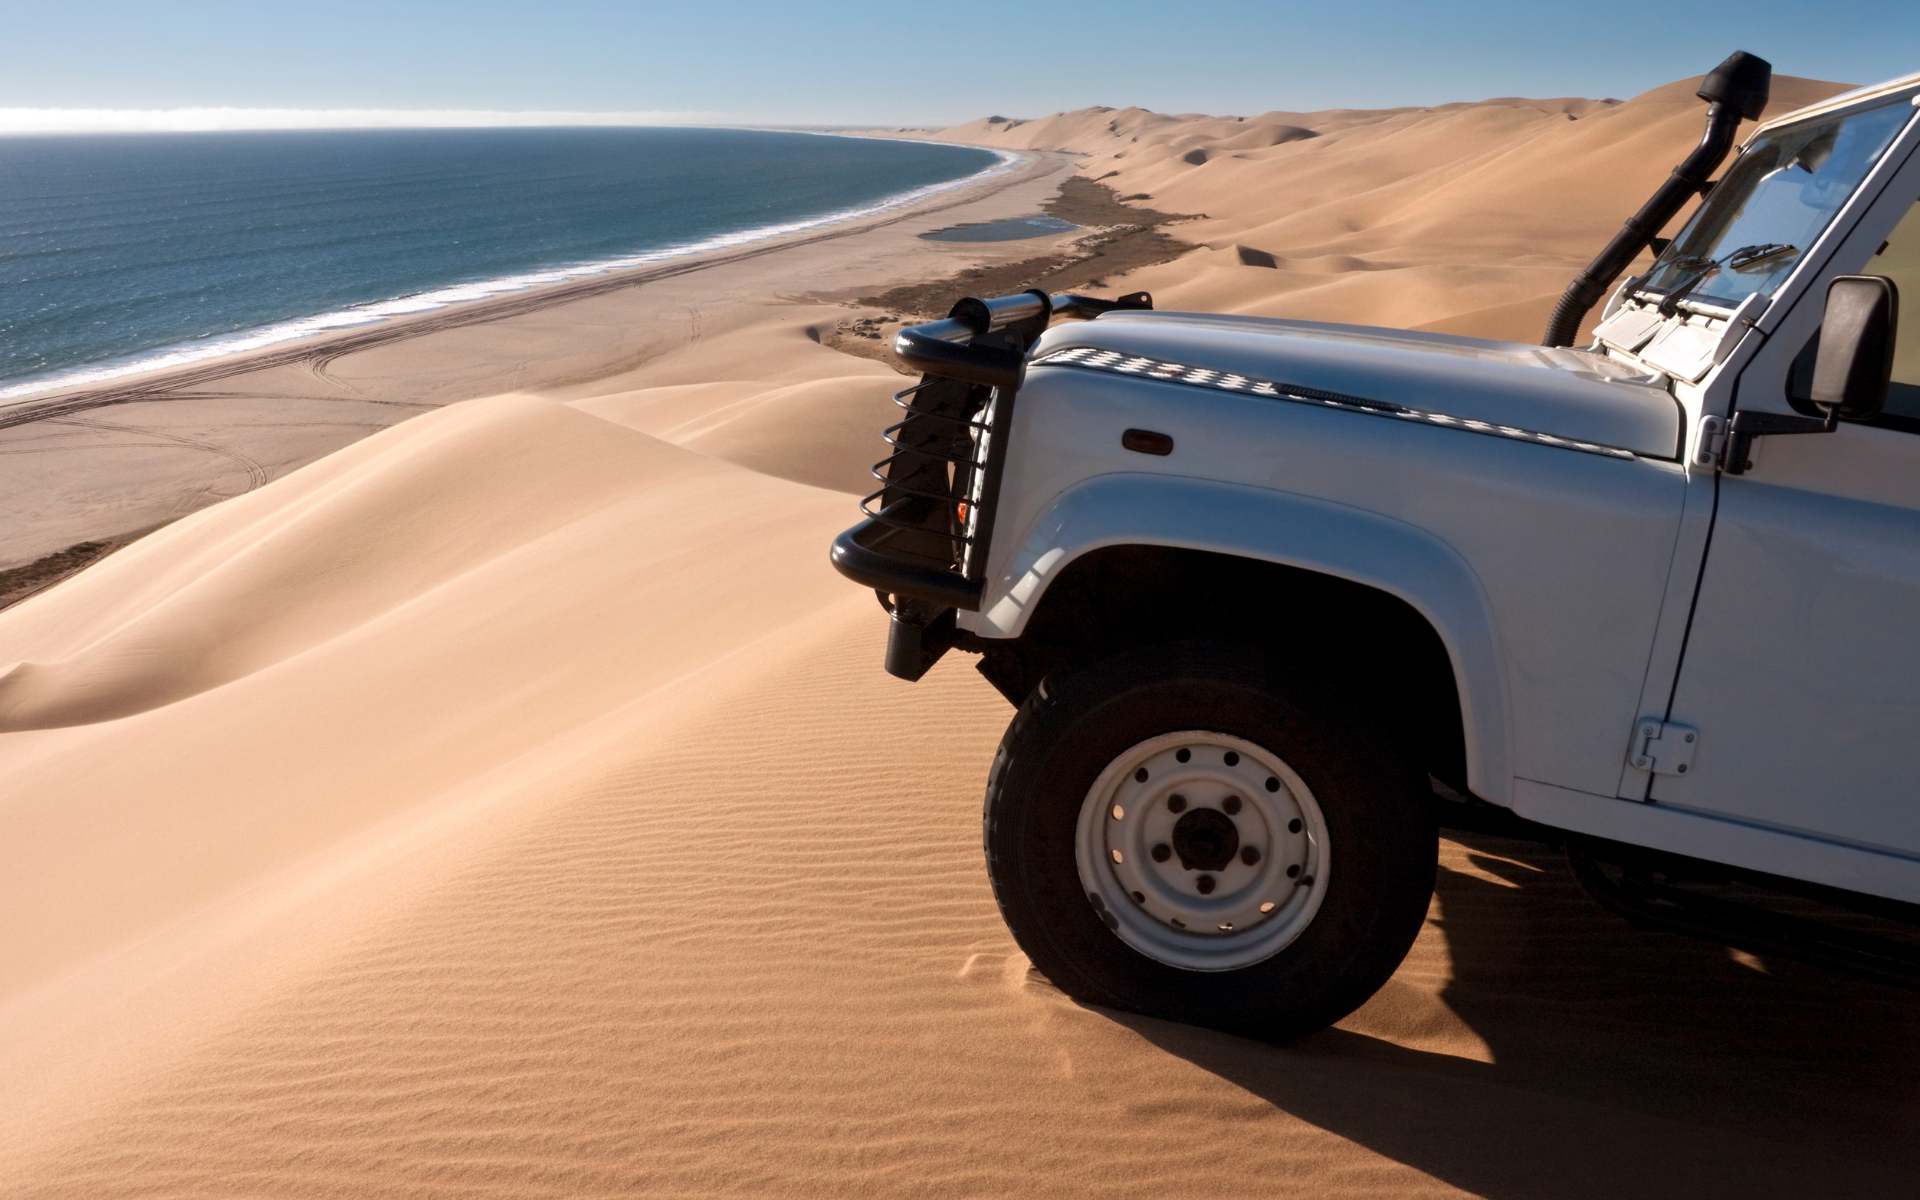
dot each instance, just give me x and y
(1690, 262)
(1734, 260)
(1746, 256)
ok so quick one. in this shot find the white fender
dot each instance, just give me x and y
(1278, 527)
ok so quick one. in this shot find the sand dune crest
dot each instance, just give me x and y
(311, 557)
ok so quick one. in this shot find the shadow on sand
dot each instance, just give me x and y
(1624, 1062)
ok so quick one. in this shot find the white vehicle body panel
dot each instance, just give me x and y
(1570, 551)
(1135, 509)
(1850, 99)
(1578, 594)
(1804, 650)
(1714, 839)
(1803, 666)
(1573, 394)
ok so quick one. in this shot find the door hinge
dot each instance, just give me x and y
(1663, 748)
(1713, 442)
(1727, 445)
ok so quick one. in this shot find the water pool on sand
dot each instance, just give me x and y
(1007, 229)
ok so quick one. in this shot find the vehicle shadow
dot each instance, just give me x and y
(1623, 1062)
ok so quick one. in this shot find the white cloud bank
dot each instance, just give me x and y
(202, 120)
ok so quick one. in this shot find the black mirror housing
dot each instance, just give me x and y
(1854, 364)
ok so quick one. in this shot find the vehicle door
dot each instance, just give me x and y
(1801, 672)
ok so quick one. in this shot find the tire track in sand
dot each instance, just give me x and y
(256, 472)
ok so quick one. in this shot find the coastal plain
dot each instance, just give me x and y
(478, 783)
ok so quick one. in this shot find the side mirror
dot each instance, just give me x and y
(1854, 364)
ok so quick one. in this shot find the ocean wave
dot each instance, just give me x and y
(214, 346)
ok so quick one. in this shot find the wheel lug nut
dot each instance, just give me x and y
(1176, 803)
(1249, 854)
(1231, 804)
(1205, 884)
(1162, 852)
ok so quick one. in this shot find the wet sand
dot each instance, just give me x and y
(97, 464)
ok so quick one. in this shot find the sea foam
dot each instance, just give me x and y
(215, 346)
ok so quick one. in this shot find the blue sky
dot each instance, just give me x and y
(780, 61)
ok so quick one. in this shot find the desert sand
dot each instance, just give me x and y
(511, 802)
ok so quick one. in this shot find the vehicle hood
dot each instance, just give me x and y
(1570, 394)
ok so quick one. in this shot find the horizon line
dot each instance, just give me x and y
(225, 119)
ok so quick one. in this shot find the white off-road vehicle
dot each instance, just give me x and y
(1275, 598)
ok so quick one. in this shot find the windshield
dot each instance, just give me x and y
(1776, 199)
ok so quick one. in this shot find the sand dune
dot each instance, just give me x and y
(372, 636)
(694, 906)
(1500, 201)
(148, 450)
(1264, 134)
(512, 804)
(765, 393)
(733, 940)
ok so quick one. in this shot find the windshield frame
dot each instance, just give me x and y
(1710, 232)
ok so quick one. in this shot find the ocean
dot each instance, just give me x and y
(126, 253)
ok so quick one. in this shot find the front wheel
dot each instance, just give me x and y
(1169, 833)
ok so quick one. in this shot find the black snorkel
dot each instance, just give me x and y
(1735, 91)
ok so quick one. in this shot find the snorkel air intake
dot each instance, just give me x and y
(1735, 91)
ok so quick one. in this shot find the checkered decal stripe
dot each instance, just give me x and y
(1113, 362)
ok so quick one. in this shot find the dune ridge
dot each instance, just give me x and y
(1473, 215)
(511, 803)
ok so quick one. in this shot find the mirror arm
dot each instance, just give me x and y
(1749, 424)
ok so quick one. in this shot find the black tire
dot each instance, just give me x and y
(1380, 829)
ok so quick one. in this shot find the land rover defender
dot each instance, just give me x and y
(1275, 599)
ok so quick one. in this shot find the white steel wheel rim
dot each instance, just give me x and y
(1181, 887)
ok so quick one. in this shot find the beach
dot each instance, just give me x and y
(107, 461)
(478, 782)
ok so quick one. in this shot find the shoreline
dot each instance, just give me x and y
(100, 464)
(554, 280)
